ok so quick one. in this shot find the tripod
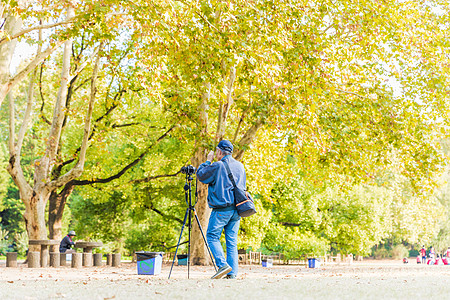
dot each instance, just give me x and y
(187, 216)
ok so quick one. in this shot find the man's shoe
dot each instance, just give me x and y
(222, 272)
(230, 277)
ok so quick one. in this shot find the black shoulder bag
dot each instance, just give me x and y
(243, 200)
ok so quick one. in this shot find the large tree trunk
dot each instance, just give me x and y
(56, 206)
(35, 216)
(199, 252)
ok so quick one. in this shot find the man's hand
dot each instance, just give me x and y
(210, 156)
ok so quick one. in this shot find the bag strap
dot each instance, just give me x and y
(230, 175)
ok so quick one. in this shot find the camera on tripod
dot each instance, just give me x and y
(190, 212)
(188, 170)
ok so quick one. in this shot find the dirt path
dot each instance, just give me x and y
(362, 280)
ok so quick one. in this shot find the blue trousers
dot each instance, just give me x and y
(227, 221)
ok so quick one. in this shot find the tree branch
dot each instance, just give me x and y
(126, 168)
(148, 179)
(40, 27)
(352, 93)
(12, 125)
(163, 214)
(91, 135)
(290, 224)
(77, 170)
(37, 60)
(42, 97)
(14, 168)
(124, 125)
(202, 108)
(80, 68)
(81, 84)
(26, 117)
(241, 120)
(248, 138)
(223, 108)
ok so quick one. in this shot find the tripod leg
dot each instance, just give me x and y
(179, 240)
(204, 239)
(189, 242)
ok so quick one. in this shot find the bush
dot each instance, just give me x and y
(381, 253)
(21, 240)
(413, 253)
(399, 252)
(4, 242)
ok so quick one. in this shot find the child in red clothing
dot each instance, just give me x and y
(438, 260)
(423, 252)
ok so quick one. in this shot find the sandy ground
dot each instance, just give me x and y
(361, 280)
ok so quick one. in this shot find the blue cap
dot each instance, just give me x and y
(225, 145)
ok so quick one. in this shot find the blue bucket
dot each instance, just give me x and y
(267, 263)
(313, 263)
(149, 263)
(182, 259)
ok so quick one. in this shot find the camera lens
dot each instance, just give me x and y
(189, 170)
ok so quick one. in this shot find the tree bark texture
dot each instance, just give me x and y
(57, 202)
(13, 24)
(199, 253)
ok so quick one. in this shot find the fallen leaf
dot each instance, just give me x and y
(11, 281)
(61, 295)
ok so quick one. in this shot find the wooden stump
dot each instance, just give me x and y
(116, 260)
(87, 259)
(55, 259)
(34, 259)
(109, 259)
(97, 260)
(77, 260)
(62, 259)
(11, 260)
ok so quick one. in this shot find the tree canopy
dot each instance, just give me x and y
(336, 108)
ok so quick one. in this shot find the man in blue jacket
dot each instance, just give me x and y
(224, 216)
(67, 243)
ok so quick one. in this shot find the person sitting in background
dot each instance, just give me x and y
(67, 243)
(419, 259)
(447, 253)
(438, 260)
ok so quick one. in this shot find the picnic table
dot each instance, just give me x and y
(44, 249)
(88, 246)
(87, 251)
